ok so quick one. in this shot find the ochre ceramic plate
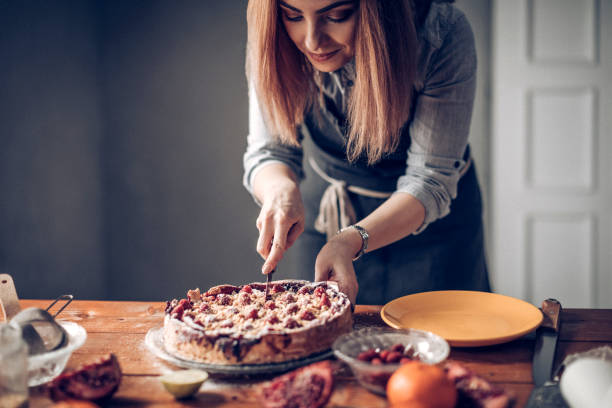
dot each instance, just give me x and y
(464, 318)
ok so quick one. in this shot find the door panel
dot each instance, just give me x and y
(551, 190)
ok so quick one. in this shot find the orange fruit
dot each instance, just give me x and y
(419, 385)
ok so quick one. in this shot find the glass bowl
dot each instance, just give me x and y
(44, 367)
(425, 346)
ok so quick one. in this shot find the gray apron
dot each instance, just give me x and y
(448, 254)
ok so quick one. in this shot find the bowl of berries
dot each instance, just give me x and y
(375, 353)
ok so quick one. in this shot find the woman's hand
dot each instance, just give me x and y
(335, 262)
(281, 219)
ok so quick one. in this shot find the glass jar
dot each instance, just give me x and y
(13, 367)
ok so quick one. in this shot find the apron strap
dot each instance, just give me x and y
(336, 210)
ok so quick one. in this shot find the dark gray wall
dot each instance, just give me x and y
(122, 128)
(51, 208)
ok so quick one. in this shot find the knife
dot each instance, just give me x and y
(546, 390)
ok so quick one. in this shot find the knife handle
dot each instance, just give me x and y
(551, 308)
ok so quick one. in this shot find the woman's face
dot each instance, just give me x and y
(323, 30)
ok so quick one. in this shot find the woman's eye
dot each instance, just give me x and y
(340, 16)
(291, 17)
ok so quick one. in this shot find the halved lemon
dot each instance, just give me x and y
(183, 383)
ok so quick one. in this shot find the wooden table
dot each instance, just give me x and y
(120, 328)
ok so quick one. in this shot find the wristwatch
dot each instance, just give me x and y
(364, 239)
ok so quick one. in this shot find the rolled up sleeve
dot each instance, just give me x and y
(441, 123)
(264, 148)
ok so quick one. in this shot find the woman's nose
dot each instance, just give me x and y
(313, 37)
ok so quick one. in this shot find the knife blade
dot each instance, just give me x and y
(268, 280)
(546, 392)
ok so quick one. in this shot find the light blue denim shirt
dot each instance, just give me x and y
(438, 130)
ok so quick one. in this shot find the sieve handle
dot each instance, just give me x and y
(67, 298)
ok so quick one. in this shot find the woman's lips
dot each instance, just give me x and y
(322, 57)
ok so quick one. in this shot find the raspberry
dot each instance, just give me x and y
(291, 324)
(244, 299)
(185, 303)
(247, 289)
(324, 301)
(304, 290)
(307, 315)
(277, 288)
(253, 314)
(224, 299)
(178, 311)
(292, 309)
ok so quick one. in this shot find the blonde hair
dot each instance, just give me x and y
(385, 66)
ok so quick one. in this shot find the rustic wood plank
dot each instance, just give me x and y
(103, 316)
(120, 328)
(586, 325)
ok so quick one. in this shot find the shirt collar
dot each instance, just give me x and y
(345, 76)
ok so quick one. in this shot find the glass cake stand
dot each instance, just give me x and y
(155, 344)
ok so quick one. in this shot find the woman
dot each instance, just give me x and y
(379, 94)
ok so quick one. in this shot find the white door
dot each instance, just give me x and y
(551, 151)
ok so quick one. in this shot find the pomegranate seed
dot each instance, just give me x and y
(398, 347)
(367, 355)
(393, 357)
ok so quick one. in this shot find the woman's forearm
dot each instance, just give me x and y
(281, 219)
(272, 177)
(398, 217)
